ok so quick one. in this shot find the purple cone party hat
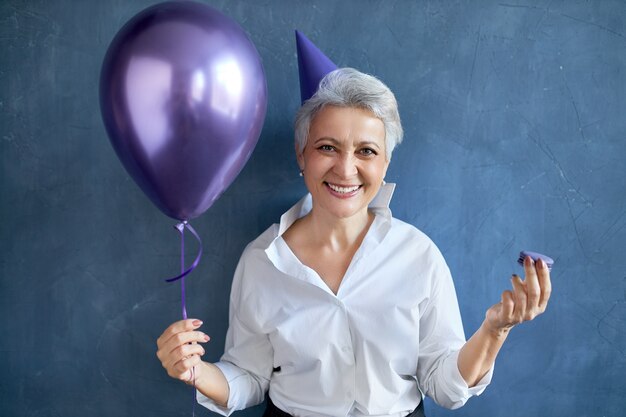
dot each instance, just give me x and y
(313, 65)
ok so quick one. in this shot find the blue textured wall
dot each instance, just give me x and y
(515, 119)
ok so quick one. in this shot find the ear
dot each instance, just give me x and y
(300, 157)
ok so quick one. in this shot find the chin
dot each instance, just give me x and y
(346, 212)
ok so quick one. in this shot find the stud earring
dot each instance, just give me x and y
(301, 173)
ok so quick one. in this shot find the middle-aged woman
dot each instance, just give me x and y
(341, 309)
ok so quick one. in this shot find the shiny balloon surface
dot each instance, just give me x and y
(183, 98)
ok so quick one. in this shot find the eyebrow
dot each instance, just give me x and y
(336, 142)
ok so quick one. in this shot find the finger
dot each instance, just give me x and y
(177, 327)
(508, 307)
(533, 289)
(181, 353)
(184, 338)
(170, 335)
(519, 295)
(190, 350)
(546, 286)
(183, 367)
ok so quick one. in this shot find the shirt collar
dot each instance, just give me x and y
(379, 205)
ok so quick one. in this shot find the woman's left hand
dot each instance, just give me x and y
(528, 299)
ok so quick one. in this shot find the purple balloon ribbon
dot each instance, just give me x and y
(181, 229)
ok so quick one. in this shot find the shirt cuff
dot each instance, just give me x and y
(231, 372)
(457, 384)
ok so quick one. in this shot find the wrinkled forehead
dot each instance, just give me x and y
(347, 121)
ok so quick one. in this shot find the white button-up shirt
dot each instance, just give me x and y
(393, 329)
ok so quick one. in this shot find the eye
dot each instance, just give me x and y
(367, 152)
(326, 148)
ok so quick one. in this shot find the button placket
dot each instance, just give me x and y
(347, 352)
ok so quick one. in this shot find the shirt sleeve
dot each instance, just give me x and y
(441, 338)
(248, 354)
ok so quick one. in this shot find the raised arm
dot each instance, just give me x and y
(528, 299)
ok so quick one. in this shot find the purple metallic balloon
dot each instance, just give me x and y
(183, 98)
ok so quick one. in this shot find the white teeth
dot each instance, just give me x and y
(343, 190)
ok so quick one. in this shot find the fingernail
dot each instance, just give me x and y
(206, 338)
(540, 263)
(197, 323)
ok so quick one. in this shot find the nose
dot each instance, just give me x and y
(346, 166)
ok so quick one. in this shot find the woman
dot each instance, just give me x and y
(342, 309)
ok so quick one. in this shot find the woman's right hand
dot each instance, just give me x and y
(179, 350)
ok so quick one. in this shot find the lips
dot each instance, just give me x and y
(343, 189)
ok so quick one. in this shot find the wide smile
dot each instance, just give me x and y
(343, 190)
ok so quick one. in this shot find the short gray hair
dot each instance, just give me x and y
(347, 87)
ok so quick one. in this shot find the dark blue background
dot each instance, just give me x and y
(515, 119)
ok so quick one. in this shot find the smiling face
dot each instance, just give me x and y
(344, 160)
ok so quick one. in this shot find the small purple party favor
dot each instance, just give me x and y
(535, 256)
